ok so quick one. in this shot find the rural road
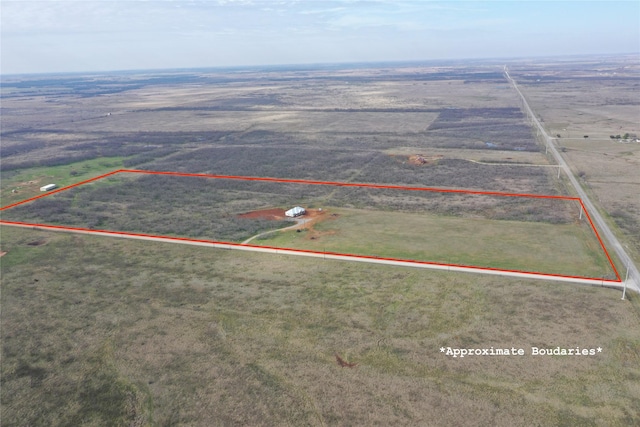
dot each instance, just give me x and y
(373, 260)
(633, 282)
(526, 165)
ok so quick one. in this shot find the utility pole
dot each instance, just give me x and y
(624, 290)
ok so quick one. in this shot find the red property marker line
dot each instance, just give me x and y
(350, 184)
(222, 244)
(593, 227)
(48, 193)
(331, 183)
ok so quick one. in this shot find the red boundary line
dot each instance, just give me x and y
(593, 227)
(349, 184)
(48, 193)
(332, 183)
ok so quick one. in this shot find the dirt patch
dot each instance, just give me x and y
(314, 217)
(313, 234)
(421, 159)
(343, 363)
(2, 253)
(305, 222)
(270, 214)
(37, 243)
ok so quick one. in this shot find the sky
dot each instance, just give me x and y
(77, 36)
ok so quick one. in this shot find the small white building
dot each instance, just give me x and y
(48, 187)
(294, 212)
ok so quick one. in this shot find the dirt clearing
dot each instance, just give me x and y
(270, 214)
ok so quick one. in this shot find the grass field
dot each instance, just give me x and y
(105, 331)
(27, 182)
(567, 249)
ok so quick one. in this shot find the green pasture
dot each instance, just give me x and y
(567, 249)
(27, 182)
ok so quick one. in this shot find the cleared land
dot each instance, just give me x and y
(536, 247)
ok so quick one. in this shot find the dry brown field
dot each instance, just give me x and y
(102, 331)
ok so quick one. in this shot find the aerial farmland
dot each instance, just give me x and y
(151, 329)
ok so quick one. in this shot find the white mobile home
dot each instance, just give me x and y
(48, 187)
(294, 212)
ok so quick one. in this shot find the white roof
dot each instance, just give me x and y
(295, 211)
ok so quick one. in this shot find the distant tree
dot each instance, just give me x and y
(558, 136)
(618, 137)
(612, 136)
(626, 136)
(586, 136)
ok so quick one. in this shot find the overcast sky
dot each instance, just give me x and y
(57, 36)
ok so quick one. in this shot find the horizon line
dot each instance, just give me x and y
(344, 64)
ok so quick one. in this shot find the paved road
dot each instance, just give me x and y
(374, 260)
(633, 283)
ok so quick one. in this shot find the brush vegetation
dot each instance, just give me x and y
(103, 331)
